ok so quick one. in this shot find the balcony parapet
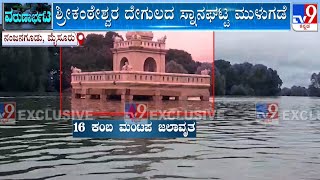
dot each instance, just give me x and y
(140, 77)
(139, 43)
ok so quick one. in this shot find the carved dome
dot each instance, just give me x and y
(145, 35)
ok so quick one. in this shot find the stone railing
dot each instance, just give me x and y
(141, 43)
(141, 77)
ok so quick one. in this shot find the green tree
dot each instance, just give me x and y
(203, 66)
(23, 69)
(314, 87)
(285, 91)
(39, 67)
(173, 67)
(246, 79)
(240, 90)
(96, 55)
(183, 58)
(220, 83)
(299, 91)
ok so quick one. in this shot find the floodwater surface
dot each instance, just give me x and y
(230, 146)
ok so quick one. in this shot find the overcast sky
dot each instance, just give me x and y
(294, 55)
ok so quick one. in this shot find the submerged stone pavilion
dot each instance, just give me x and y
(139, 70)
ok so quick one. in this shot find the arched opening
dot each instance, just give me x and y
(150, 65)
(123, 61)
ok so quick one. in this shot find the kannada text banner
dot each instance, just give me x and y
(128, 129)
(171, 16)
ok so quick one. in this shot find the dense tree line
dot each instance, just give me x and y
(246, 79)
(37, 69)
(314, 87)
(312, 90)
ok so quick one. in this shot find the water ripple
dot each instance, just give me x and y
(234, 146)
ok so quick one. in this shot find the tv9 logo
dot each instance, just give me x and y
(305, 17)
(267, 112)
(7, 113)
(135, 112)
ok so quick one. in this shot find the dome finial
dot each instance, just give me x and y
(145, 35)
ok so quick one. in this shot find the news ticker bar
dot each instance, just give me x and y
(41, 39)
(123, 129)
(151, 16)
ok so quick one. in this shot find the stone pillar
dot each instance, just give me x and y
(123, 95)
(84, 93)
(158, 104)
(103, 94)
(157, 96)
(103, 97)
(162, 62)
(204, 98)
(130, 97)
(116, 66)
(73, 93)
(182, 98)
